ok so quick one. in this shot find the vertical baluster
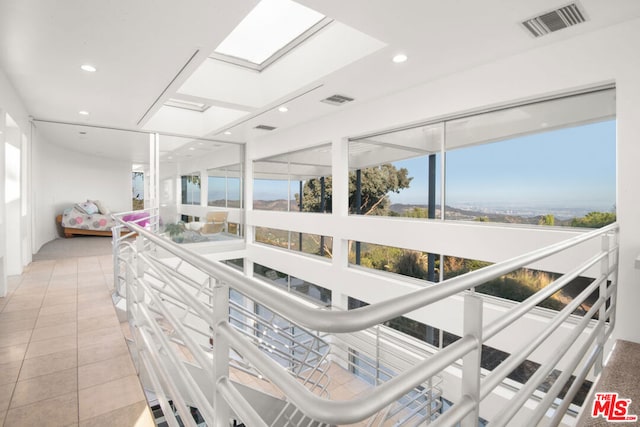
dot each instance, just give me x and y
(471, 361)
(221, 350)
(604, 271)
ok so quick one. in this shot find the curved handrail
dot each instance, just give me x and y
(374, 314)
(359, 408)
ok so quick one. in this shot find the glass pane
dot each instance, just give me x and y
(550, 163)
(406, 262)
(397, 173)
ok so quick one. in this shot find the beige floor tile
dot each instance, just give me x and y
(49, 332)
(62, 286)
(19, 315)
(136, 415)
(56, 412)
(105, 371)
(93, 310)
(50, 346)
(48, 364)
(9, 339)
(5, 395)
(9, 372)
(44, 387)
(2, 416)
(61, 292)
(63, 280)
(56, 319)
(13, 353)
(60, 308)
(94, 296)
(21, 306)
(103, 398)
(105, 336)
(31, 292)
(90, 291)
(16, 325)
(59, 299)
(95, 353)
(101, 322)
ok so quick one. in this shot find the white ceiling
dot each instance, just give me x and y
(147, 51)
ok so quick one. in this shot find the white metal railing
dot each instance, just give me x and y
(474, 386)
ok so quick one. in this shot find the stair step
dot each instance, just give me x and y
(620, 375)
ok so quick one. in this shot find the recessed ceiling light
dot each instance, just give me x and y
(88, 68)
(83, 113)
(227, 132)
(191, 148)
(283, 109)
(400, 58)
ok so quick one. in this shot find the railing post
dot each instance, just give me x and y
(471, 361)
(602, 313)
(139, 266)
(221, 351)
(115, 234)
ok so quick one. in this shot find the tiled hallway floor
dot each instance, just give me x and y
(63, 358)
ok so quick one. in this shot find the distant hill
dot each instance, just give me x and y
(470, 215)
(275, 205)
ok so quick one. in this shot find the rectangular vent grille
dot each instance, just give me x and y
(558, 19)
(264, 127)
(337, 100)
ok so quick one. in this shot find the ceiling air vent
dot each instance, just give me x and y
(555, 20)
(337, 100)
(264, 127)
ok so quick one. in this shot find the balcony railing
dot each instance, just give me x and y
(189, 296)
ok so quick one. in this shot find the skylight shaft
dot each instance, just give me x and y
(269, 27)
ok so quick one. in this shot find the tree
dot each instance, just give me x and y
(377, 183)
(594, 220)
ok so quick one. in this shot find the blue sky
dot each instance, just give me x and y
(572, 167)
(567, 168)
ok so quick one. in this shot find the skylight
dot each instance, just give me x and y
(270, 27)
(187, 105)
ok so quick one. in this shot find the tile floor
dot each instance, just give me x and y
(63, 357)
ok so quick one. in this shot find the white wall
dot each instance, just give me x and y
(605, 56)
(10, 103)
(62, 178)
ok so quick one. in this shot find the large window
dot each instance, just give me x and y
(298, 181)
(397, 173)
(316, 293)
(190, 189)
(312, 244)
(545, 163)
(225, 186)
(548, 163)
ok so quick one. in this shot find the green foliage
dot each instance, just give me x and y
(417, 213)
(376, 183)
(312, 195)
(412, 264)
(548, 219)
(594, 220)
(482, 219)
(175, 229)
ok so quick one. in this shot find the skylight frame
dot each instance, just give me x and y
(199, 107)
(241, 62)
